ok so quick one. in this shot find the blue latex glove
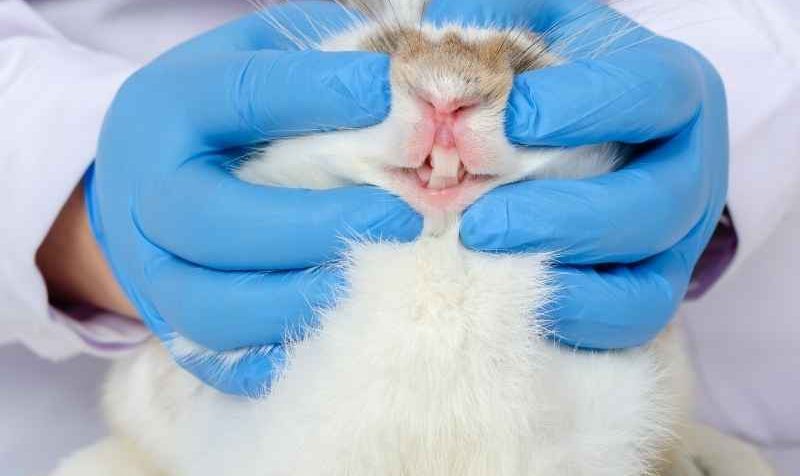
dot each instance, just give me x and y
(628, 241)
(190, 243)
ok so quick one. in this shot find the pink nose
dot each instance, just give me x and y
(445, 115)
(444, 136)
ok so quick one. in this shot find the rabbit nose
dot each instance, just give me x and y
(443, 167)
(444, 136)
(447, 111)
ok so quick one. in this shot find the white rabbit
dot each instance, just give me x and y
(436, 361)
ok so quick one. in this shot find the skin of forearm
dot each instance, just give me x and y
(73, 265)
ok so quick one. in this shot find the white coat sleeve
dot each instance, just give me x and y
(53, 95)
(756, 48)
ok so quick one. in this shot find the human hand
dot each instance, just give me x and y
(73, 265)
(202, 255)
(627, 241)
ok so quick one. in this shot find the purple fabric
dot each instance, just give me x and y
(102, 333)
(716, 258)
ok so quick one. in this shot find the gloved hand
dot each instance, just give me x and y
(201, 254)
(627, 241)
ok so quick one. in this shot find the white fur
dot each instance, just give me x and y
(436, 362)
(452, 376)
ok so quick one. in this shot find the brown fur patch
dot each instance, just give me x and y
(487, 65)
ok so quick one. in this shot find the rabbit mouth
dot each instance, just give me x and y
(429, 190)
(443, 169)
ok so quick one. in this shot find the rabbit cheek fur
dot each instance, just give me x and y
(435, 361)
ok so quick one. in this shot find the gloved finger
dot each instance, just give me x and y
(617, 307)
(575, 24)
(206, 216)
(621, 217)
(504, 14)
(232, 310)
(328, 91)
(289, 26)
(255, 96)
(631, 96)
(246, 372)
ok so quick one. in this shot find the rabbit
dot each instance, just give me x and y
(435, 360)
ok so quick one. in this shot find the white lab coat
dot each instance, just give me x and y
(61, 62)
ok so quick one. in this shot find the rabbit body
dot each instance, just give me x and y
(436, 360)
(434, 364)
